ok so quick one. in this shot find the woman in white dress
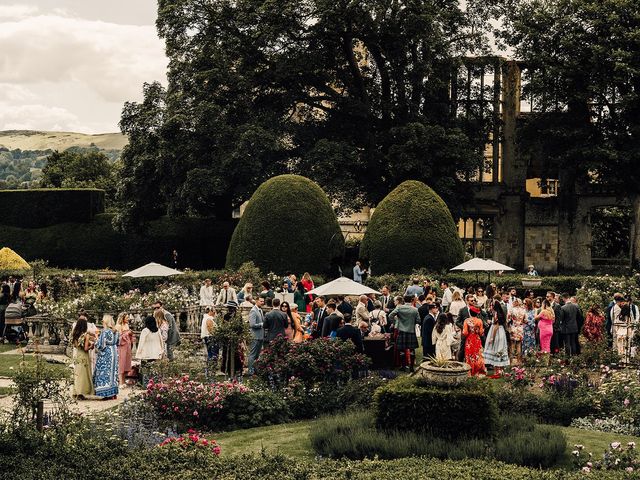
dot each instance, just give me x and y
(443, 337)
(496, 347)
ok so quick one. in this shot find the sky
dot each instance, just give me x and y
(69, 65)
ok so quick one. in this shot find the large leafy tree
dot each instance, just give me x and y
(582, 60)
(79, 168)
(353, 94)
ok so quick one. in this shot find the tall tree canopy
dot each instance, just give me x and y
(582, 60)
(354, 95)
(79, 168)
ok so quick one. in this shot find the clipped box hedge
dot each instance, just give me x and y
(468, 410)
(67, 462)
(43, 207)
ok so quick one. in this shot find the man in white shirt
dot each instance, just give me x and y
(206, 293)
(227, 294)
(447, 295)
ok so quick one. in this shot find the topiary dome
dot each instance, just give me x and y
(288, 224)
(411, 228)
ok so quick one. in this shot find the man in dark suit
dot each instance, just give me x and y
(386, 300)
(331, 322)
(319, 315)
(349, 332)
(345, 308)
(274, 321)
(570, 327)
(426, 330)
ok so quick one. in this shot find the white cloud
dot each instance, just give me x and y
(24, 117)
(17, 11)
(44, 56)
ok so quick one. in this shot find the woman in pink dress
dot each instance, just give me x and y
(545, 319)
(124, 347)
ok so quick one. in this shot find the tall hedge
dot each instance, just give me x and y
(411, 228)
(43, 207)
(288, 224)
(200, 242)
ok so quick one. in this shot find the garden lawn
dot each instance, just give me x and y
(290, 439)
(594, 442)
(9, 364)
(7, 347)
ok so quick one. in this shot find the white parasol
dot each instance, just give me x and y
(152, 270)
(342, 286)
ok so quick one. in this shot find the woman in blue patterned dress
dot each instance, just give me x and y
(529, 338)
(105, 375)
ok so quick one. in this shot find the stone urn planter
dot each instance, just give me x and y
(531, 282)
(445, 374)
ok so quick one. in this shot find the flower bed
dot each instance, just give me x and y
(214, 406)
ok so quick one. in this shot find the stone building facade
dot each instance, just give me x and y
(517, 217)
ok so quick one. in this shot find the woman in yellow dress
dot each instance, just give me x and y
(83, 342)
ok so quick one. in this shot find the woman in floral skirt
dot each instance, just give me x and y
(529, 328)
(517, 320)
(496, 348)
(473, 331)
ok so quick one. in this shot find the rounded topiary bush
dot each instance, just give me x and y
(288, 224)
(411, 228)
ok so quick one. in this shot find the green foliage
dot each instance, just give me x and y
(411, 227)
(443, 412)
(548, 407)
(239, 109)
(200, 242)
(49, 206)
(38, 381)
(287, 225)
(520, 442)
(79, 169)
(583, 74)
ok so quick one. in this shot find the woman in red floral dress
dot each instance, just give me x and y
(473, 331)
(592, 329)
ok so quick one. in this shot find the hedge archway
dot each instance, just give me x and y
(411, 228)
(288, 224)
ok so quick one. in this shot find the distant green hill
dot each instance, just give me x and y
(23, 152)
(37, 140)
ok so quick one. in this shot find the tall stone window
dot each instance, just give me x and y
(477, 235)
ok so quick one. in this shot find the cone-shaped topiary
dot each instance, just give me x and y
(411, 228)
(288, 224)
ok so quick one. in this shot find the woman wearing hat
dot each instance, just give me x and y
(473, 331)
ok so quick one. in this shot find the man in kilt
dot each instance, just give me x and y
(405, 317)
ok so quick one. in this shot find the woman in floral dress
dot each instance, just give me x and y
(517, 320)
(593, 325)
(105, 375)
(529, 328)
(473, 331)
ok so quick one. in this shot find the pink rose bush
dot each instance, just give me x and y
(214, 406)
(191, 441)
